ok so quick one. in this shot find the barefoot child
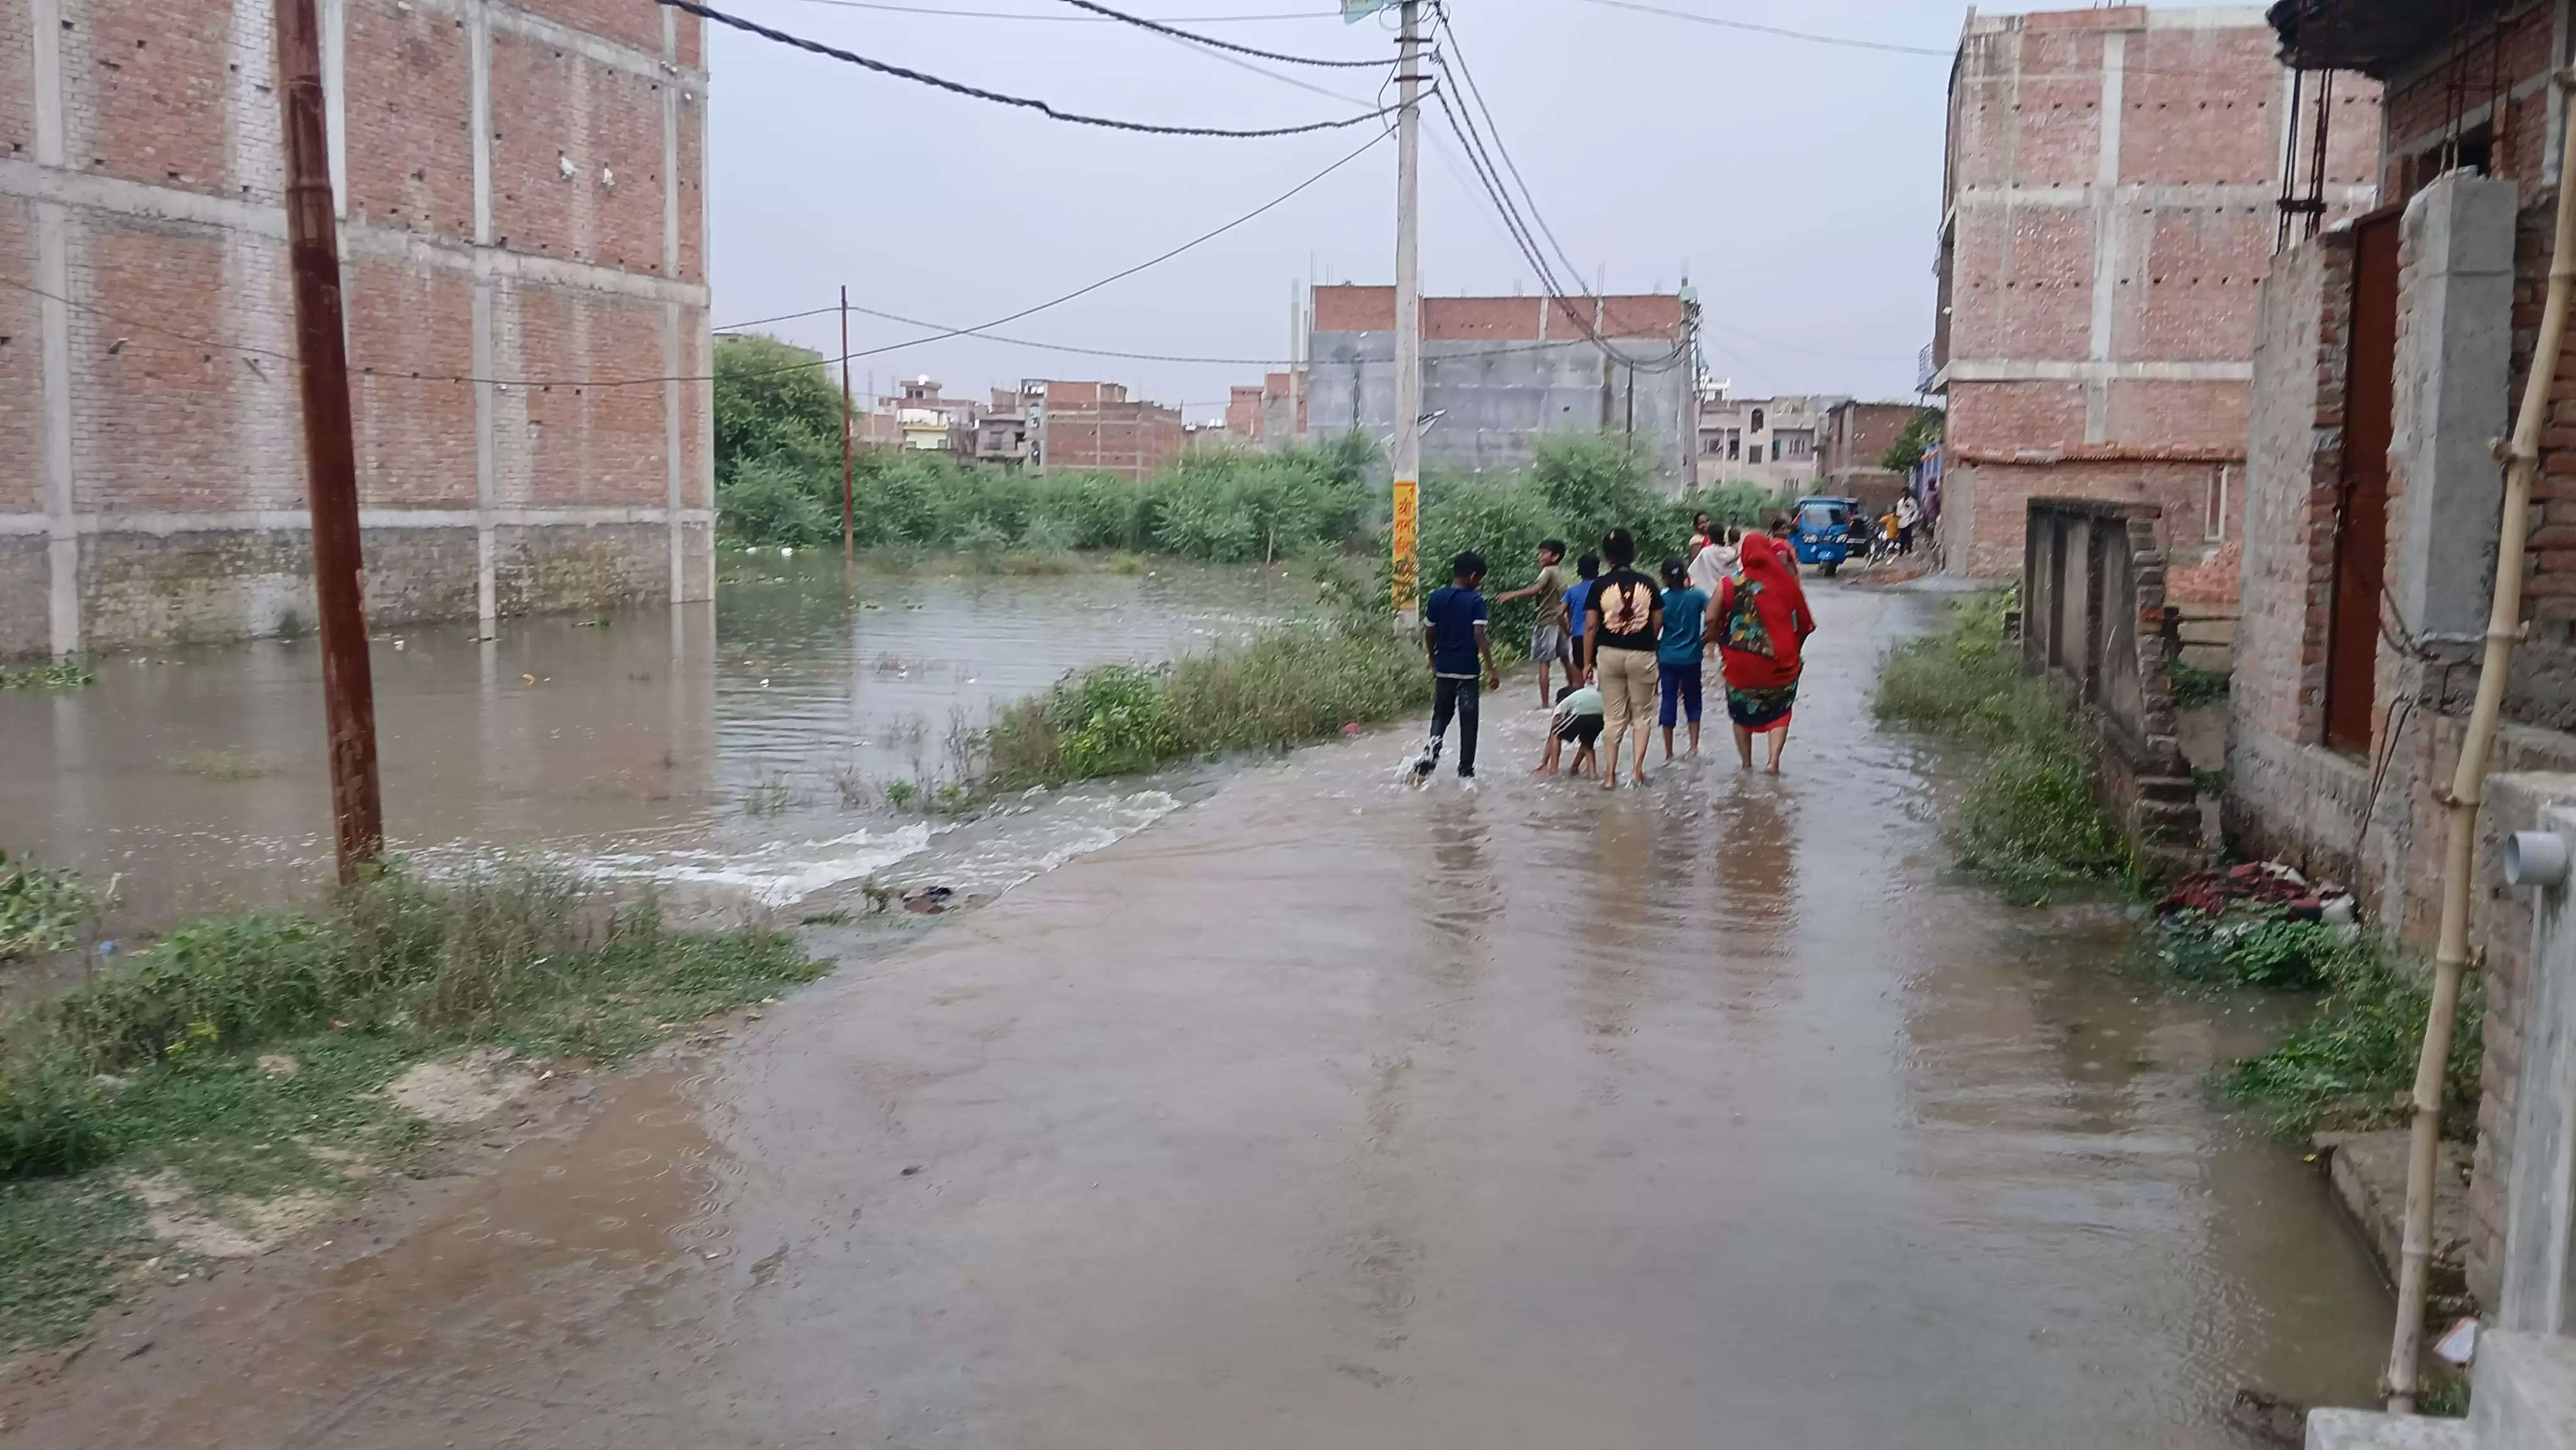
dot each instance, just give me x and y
(1550, 641)
(1453, 634)
(1577, 720)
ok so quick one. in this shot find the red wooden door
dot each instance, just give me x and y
(2361, 512)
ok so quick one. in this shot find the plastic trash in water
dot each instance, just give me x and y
(2461, 1344)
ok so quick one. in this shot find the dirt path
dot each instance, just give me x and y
(1330, 1114)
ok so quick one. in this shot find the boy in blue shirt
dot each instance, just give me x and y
(1679, 651)
(1586, 569)
(1453, 634)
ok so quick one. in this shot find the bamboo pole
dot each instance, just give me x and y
(2521, 458)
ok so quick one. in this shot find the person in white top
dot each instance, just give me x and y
(1909, 516)
(1717, 560)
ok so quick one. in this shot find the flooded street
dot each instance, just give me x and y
(700, 747)
(1318, 1112)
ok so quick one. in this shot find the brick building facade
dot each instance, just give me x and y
(1096, 427)
(2392, 348)
(524, 258)
(1852, 439)
(2109, 207)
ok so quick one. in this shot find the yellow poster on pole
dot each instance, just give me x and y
(1408, 516)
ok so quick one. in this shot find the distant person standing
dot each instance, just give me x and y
(1677, 656)
(1623, 626)
(1703, 533)
(1762, 623)
(1586, 569)
(1715, 562)
(1453, 634)
(1909, 517)
(1551, 639)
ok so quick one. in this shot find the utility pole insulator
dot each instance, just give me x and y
(330, 451)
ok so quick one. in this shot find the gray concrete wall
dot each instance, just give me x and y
(1493, 400)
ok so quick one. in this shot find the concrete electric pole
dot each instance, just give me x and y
(1405, 449)
(849, 513)
(330, 449)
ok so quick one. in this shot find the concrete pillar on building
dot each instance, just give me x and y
(2452, 390)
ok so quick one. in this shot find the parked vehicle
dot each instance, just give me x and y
(1824, 531)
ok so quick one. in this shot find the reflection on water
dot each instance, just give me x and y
(744, 746)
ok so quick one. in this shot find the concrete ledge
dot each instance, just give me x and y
(2368, 1171)
(2524, 1392)
(2368, 1430)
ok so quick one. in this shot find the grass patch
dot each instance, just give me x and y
(2194, 687)
(43, 911)
(2352, 1063)
(241, 1057)
(2030, 819)
(68, 672)
(1295, 684)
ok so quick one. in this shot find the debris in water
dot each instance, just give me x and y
(915, 1168)
(2461, 1344)
(2269, 1417)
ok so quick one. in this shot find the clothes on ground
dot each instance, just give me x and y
(1680, 688)
(1453, 694)
(1685, 615)
(1550, 598)
(1763, 624)
(1627, 693)
(1712, 566)
(1625, 602)
(1551, 642)
(1453, 614)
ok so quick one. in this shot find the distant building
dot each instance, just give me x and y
(1096, 427)
(1852, 439)
(1497, 373)
(926, 422)
(1765, 441)
(1002, 434)
(1245, 410)
(2109, 206)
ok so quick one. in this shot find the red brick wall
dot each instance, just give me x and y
(1372, 309)
(591, 444)
(17, 99)
(22, 396)
(415, 436)
(2294, 476)
(156, 88)
(2181, 130)
(2022, 284)
(410, 130)
(562, 108)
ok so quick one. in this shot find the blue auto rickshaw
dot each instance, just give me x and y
(1824, 531)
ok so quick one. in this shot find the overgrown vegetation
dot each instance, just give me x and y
(1915, 439)
(42, 911)
(2351, 1064)
(1295, 684)
(2194, 687)
(242, 1056)
(63, 673)
(778, 484)
(2030, 818)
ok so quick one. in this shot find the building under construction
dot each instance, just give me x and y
(1498, 372)
(524, 263)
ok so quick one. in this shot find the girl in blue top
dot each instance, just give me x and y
(1678, 652)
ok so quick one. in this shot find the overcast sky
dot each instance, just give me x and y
(1798, 183)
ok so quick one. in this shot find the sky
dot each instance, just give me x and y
(1796, 184)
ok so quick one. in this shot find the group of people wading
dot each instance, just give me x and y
(1630, 646)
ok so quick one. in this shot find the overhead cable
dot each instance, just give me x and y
(1044, 108)
(1783, 33)
(1071, 19)
(1476, 93)
(1255, 51)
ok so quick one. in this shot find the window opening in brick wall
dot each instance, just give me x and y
(2361, 508)
(2214, 522)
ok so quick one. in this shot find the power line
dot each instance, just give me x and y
(782, 317)
(1781, 32)
(1044, 108)
(1477, 94)
(1214, 44)
(1074, 19)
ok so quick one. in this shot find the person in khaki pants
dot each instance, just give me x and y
(1623, 622)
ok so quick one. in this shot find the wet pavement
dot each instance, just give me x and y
(1325, 1112)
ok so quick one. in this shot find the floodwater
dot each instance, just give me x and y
(1327, 1112)
(738, 749)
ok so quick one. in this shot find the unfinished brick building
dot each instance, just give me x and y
(2392, 349)
(1097, 428)
(524, 263)
(2109, 207)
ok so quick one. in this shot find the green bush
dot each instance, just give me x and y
(2030, 816)
(2352, 1063)
(41, 910)
(1109, 720)
(2282, 955)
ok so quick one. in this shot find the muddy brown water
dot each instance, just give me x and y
(704, 748)
(1324, 1112)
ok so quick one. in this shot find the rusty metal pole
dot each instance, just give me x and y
(330, 455)
(849, 513)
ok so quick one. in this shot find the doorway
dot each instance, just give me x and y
(2361, 503)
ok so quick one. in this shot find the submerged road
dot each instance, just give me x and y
(1329, 1113)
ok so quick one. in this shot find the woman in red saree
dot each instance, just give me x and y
(1759, 624)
